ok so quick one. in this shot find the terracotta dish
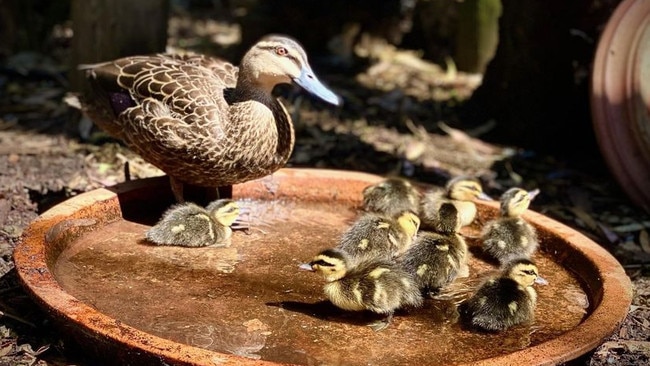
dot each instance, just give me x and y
(125, 301)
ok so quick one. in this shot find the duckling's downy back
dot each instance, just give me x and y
(188, 225)
(504, 301)
(391, 197)
(510, 236)
(375, 236)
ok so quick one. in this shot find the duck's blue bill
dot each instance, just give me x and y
(308, 81)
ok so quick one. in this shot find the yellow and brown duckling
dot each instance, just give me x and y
(190, 225)
(505, 301)
(461, 191)
(378, 286)
(376, 236)
(202, 120)
(436, 259)
(510, 236)
(390, 197)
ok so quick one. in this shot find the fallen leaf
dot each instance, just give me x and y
(414, 150)
(586, 218)
(6, 348)
(608, 233)
(629, 227)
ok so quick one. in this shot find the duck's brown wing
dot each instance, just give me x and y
(188, 89)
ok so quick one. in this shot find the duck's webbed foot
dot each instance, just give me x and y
(382, 324)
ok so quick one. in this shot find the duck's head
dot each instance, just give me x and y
(516, 201)
(524, 272)
(277, 59)
(331, 264)
(466, 189)
(225, 211)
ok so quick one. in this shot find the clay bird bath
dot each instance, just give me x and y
(127, 302)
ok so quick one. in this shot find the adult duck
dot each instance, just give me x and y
(202, 120)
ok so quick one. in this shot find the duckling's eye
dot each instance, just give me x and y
(321, 263)
(521, 198)
(281, 51)
(471, 188)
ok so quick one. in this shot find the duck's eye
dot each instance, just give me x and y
(281, 51)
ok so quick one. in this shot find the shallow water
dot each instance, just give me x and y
(250, 299)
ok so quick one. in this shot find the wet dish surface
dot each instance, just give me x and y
(251, 300)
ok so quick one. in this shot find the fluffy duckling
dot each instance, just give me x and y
(376, 236)
(378, 286)
(391, 197)
(190, 225)
(504, 301)
(437, 258)
(461, 191)
(510, 236)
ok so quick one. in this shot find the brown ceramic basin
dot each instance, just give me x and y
(128, 302)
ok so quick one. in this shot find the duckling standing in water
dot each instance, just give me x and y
(437, 258)
(190, 225)
(378, 286)
(461, 191)
(510, 236)
(375, 236)
(504, 301)
(391, 197)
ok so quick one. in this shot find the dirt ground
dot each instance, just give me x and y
(389, 126)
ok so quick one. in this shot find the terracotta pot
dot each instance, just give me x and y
(62, 232)
(620, 98)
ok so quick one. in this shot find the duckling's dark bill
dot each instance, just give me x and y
(484, 197)
(541, 281)
(306, 267)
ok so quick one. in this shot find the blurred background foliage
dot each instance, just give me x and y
(533, 57)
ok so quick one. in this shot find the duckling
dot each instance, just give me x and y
(505, 301)
(390, 197)
(375, 285)
(190, 225)
(437, 258)
(510, 236)
(460, 191)
(376, 236)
